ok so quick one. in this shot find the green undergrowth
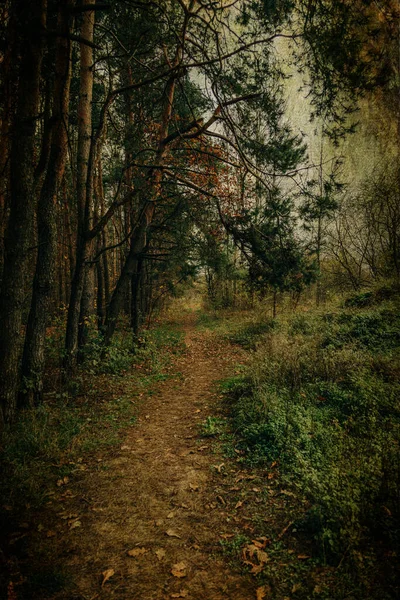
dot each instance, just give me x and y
(244, 328)
(87, 416)
(321, 398)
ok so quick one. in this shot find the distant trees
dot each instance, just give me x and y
(365, 237)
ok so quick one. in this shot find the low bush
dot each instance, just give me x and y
(321, 397)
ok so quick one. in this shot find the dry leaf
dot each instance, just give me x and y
(172, 533)
(219, 467)
(239, 504)
(260, 543)
(193, 487)
(160, 553)
(181, 594)
(303, 556)
(62, 481)
(75, 524)
(221, 500)
(179, 570)
(226, 536)
(137, 552)
(107, 575)
(250, 553)
(158, 522)
(197, 411)
(256, 569)
(50, 533)
(296, 587)
(170, 515)
(263, 591)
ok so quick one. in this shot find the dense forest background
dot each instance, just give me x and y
(251, 146)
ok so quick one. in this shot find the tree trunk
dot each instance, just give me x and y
(128, 271)
(30, 15)
(136, 308)
(86, 312)
(140, 235)
(83, 201)
(43, 284)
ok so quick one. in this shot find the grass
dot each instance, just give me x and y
(320, 398)
(88, 416)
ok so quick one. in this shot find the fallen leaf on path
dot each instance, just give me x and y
(197, 411)
(75, 524)
(158, 522)
(170, 515)
(107, 575)
(172, 533)
(296, 587)
(263, 591)
(303, 556)
(194, 487)
(221, 500)
(202, 448)
(160, 553)
(125, 447)
(239, 504)
(182, 594)
(62, 481)
(260, 542)
(137, 552)
(252, 553)
(179, 570)
(226, 536)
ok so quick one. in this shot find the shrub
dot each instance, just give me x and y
(321, 396)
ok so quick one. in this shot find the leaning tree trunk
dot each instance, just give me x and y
(30, 16)
(139, 238)
(43, 284)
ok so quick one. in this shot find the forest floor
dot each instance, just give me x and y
(150, 519)
(132, 484)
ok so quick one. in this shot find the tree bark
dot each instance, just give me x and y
(43, 283)
(30, 15)
(83, 154)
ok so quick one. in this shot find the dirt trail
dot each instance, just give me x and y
(159, 493)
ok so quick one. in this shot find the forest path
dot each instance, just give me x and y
(159, 495)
